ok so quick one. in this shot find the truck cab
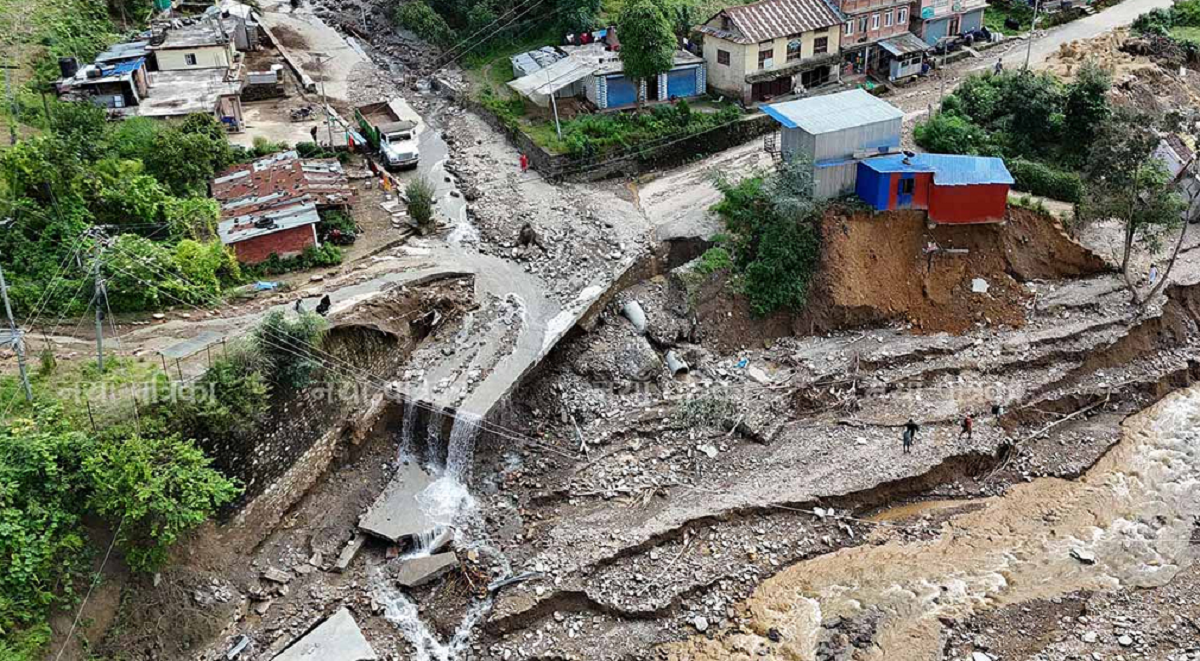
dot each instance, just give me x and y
(398, 144)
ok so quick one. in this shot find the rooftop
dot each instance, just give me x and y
(581, 62)
(771, 19)
(833, 112)
(195, 35)
(277, 192)
(174, 93)
(947, 169)
(124, 51)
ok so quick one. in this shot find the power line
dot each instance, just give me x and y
(95, 582)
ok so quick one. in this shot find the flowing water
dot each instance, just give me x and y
(1134, 510)
(449, 504)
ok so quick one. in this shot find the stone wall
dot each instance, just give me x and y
(560, 166)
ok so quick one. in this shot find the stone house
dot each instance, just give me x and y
(876, 35)
(772, 48)
(935, 19)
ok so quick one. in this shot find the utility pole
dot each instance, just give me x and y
(554, 105)
(101, 297)
(1032, 27)
(17, 339)
(324, 101)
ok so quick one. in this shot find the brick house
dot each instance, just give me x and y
(271, 205)
(771, 48)
(876, 39)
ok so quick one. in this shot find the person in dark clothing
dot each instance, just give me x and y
(968, 425)
(299, 306)
(907, 438)
(324, 305)
(313, 133)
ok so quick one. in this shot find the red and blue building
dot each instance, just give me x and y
(953, 189)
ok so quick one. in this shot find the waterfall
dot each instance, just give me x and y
(461, 448)
(407, 447)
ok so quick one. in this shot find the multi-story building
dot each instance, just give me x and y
(771, 48)
(935, 19)
(876, 39)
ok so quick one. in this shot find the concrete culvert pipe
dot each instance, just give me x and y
(676, 364)
(636, 316)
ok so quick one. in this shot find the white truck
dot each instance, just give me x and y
(392, 128)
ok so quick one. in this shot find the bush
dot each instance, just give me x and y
(1045, 181)
(714, 259)
(419, 18)
(952, 134)
(420, 194)
(158, 489)
(230, 398)
(288, 347)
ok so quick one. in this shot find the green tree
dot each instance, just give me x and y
(41, 538)
(577, 15)
(1086, 108)
(773, 221)
(420, 19)
(290, 348)
(186, 157)
(81, 127)
(647, 43)
(157, 489)
(1126, 182)
(420, 196)
(952, 134)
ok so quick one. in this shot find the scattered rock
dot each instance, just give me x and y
(701, 623)
(419, 571)
(1083, 555)
(276, 575)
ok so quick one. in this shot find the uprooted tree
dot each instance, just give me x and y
(1127, 182)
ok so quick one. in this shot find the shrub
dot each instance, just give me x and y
(1043, 180)
(230, 398)
(419, 18)
(952, 134)
(264, 147)
(714, 259)
(288, 347)
(158, 488)
(420, 194)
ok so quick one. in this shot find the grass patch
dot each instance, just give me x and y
(73, 385)
(996, 13)
(1185, 33)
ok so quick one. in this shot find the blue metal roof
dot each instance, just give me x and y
(833, 112)
(122, 68)
(947, 169)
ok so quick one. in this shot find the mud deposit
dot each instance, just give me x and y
(1126, 524)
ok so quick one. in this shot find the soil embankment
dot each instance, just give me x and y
(877, 269)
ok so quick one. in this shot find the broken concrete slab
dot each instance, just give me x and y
(276, 575)
(348, 552)
(336, 638)
(396, 515)
(416, 572)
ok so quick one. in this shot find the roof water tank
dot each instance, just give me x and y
(68, 66)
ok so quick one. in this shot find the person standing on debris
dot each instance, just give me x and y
(1152, 277)
(313, 133)
(910, 435)
(524, 162)
(999, 66)
(968, 425)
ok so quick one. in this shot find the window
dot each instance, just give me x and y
(849, 28)
(907, 186)
(887, 19)
(862, 24)
(820, 45)
(723, 57)
(874, 21)
(765, 58)
(794, 49)
(189, 59)
(902, 16)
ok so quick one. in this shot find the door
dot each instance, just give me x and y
(621, 92)
(681, 83)
(771, 88)
(904, 191)
(954, 26)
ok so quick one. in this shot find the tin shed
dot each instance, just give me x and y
(835, 132)
(954, 189)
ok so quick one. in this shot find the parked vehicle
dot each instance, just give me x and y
(392, 129)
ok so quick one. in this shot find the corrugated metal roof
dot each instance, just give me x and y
(249, 226)
(280, 180)
(121, 68)
(195, 345)
(771, 19)
(904, 44)
(947, 169)
(833, 112)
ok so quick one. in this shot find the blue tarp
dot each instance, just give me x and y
(121, 68)
(947, 169)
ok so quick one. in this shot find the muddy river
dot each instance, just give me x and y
(1130, 516)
